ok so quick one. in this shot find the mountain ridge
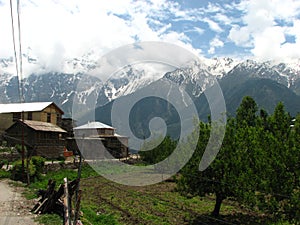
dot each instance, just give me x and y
(194, 78)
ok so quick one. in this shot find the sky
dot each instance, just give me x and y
(56, 30)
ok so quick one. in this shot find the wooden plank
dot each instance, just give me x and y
(77, 207)
(39, 205)
(67, 219)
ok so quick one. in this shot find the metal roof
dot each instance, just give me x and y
(93, 125)
(43, 126)
(24, 107)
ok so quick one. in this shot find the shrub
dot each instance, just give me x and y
(4, 174)
(19, 174)
(3, 162)
(35, 169)
(39, 163)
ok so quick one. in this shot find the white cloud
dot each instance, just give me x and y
(198, 30)
(181, 40)
(215, 43)
(61, 30)
(213, 8)
(213, 25)
(223, 18)
(264, 26)
(266, 49)
(239, 35)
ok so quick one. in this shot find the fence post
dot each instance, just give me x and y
(67, 211)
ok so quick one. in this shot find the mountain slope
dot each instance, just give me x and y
(194, 78)
(62, 89)
(266, 92)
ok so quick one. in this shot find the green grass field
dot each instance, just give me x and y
(105, 202)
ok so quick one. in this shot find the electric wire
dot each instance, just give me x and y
(20, 52)
(15, 51)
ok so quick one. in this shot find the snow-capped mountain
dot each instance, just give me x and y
(253, 69)
(58, 82)
(219, 67)
(289, 69)
(126, 81)
(60, 88)
(194, 78)
(285, 73)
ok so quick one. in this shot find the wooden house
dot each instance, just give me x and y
(94, 137)
(37, 111)
(40, 138)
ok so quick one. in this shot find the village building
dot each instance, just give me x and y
(67, 124)
(40, 138)
(37, 111)
(94, 138)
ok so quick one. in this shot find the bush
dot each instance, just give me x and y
(39, 163)
(19, 174)
(35, 169)
(5, 149)
(3, 162)
(4, 174)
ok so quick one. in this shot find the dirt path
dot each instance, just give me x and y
(14, 208)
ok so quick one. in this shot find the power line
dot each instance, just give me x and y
(14, 43)
(19, 68)
(20, 52)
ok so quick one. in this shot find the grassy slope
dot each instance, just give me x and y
(105, 202)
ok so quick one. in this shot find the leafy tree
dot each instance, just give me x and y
(263, 119)
(220, 178)
(35, 169)
(158, 153)
(246, 112)
(292, 169)
(258, 163)
(280, 123)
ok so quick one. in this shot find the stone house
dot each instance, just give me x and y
(40, 138)
(94, 137)
(37, 111)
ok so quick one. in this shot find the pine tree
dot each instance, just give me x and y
(246, 112)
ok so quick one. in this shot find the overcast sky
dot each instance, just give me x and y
(62, 29)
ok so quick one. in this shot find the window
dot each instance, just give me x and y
(101, 131)
(48, 117)
(29, 116)
(58, 118)
(16, 116)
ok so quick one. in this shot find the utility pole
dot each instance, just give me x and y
(22, 147)
(78, 192)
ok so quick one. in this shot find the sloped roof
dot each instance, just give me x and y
(25, 107)
(93, 125)
(43, 126)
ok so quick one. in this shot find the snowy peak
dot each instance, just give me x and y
(248, 65)
(60, 88)
(85, 64)
(57, 80)
(126, 81)
(194, 78)
(192, 72)
(289, 69)
(266, 70)
(32, 64)
(221, 66)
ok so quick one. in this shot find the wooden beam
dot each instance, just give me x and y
(67, 216)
